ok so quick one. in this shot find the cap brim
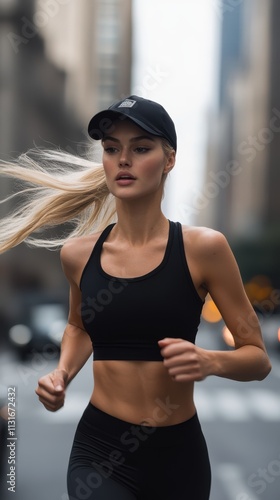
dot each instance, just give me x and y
(103, 123)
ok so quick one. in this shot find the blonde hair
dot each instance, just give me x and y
(55, 188)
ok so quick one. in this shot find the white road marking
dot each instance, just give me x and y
(206, 409)
(232, 405)
(275, 366)
(71, 412)
(232, 478)
(212, 405)
(266, 404)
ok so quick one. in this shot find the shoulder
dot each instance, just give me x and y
(212, 255)
(75, 253)
(204, 241)
(75, 247)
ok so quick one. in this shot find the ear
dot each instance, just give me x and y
(170, 162)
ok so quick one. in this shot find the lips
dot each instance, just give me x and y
(124, 176)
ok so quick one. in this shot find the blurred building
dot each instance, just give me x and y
(60, 62)
(91, 42)
(240, 193)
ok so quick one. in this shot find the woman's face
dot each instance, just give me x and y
(134, 161)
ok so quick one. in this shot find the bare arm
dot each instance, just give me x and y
(76, 345)
(221, 278)
(76, 348)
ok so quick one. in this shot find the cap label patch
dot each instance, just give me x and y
(128, 103)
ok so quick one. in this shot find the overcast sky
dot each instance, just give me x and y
(176, 52)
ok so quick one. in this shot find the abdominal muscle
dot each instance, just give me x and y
(141, 392)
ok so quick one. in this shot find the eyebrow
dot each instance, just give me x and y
(133, 139)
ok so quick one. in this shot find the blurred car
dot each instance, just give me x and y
(39, 326)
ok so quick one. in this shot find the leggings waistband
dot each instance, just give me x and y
(168, 435)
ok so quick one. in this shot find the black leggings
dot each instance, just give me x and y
(116, 460)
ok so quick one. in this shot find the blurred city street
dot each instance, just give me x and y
(240, 422)
(215, 65)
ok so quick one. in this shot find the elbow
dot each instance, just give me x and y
(265, 369)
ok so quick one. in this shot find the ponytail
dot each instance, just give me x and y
(54, 188)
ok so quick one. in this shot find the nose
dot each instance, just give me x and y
(124, 160)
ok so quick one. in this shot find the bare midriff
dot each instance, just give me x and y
(141, 392)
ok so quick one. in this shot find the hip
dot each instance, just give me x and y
(151, 462)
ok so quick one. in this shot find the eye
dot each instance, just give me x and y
(142, 149)
(110, 149)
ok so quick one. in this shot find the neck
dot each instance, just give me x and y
(139, 224)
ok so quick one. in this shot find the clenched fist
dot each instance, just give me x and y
(184, 361)
(51, 389)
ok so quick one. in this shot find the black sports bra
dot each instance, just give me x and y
(125, 317)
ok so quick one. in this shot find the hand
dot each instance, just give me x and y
(184, 361)
(51, 389)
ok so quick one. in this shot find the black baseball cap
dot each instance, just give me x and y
(147, 114)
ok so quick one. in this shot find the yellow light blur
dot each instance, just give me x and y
(210, 312)
(259, 288)
(228, 337)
